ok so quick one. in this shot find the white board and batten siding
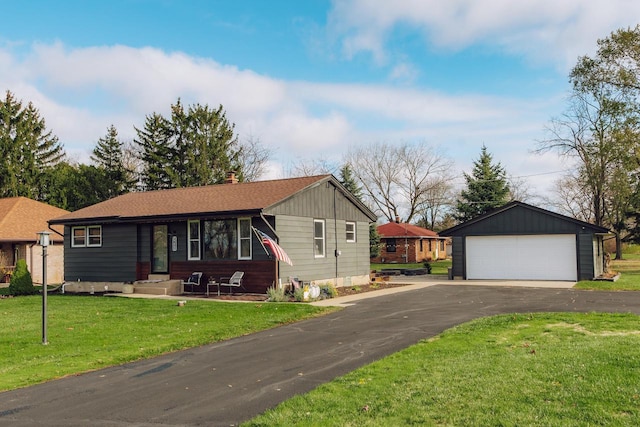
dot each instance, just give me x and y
(522, 257)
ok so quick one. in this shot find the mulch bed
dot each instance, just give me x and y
(342, 291)
(358, 289)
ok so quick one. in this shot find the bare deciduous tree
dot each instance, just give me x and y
(312, 167)
(437, 202)
(131, 161)
(396, 178)
(253, 158)
(572, 198)
(519, 189)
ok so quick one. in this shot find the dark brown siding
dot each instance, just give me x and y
(258, 275)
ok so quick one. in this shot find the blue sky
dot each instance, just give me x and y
(312, 78)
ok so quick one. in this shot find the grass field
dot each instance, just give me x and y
(531, 369)
(87, 333)
(629, 269)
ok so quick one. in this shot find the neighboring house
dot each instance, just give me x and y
(20, 221)
(523, 242)
(401, 242)
(169, 234)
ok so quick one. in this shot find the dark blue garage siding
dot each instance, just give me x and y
(517, 218)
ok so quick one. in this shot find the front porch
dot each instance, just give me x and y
(258, 275)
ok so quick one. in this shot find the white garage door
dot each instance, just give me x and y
(542, 257)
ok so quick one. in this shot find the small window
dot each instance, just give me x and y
(78, 237)
(318, 238)
(194, 239)
(351, 232)
(442, 245)
(94, 234)
(391, 245)
(90, 236)
(244, 231)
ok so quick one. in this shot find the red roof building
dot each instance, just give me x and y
(408, 243)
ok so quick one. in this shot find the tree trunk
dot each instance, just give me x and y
(618, 245)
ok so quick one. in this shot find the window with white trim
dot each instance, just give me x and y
(351, 231)
(318, 238)
(220, 239)
(78, 237)
(86, 236)
(193, 234)
(244, 233)
(94, 236)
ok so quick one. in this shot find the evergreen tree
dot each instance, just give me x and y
(27, 149)
(348, 179)
(21, 282)
(155, 153)
(374, 240)
(193, 147)
(486, 189)
(108, 155)
(73, 187)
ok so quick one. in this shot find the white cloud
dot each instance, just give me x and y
(404, 72)
(541, 30)
(82, 91)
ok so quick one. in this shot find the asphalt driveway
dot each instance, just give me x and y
(232, 381)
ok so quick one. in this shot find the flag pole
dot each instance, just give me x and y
(255, 231)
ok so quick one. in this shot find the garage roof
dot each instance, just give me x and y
(521, 218)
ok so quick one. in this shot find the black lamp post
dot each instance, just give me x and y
(43, 240)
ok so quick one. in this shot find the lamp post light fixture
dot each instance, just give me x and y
(43, 240)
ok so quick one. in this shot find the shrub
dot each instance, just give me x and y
(21, 283)
(427, 266)
(298, 294)
(328, 291)
(276, 294)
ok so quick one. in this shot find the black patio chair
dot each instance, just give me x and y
(193, 281)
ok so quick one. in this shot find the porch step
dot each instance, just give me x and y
(156, 287)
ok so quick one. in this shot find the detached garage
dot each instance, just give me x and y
(522, 242)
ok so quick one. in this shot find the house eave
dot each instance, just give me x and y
(157, 218)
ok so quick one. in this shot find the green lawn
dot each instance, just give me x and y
(629, 269)
(87, 333)
(532, 369)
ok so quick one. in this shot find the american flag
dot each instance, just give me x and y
(278, 252)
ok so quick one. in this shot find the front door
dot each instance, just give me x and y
(160, 258)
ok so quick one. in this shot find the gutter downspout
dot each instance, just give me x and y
(276, 280)
(270, 227)
(61, 235)
(336, 253)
